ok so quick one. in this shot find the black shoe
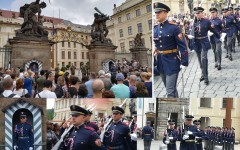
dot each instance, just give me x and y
(219, 67)
(206, 82)
(201, 79)
(226, 56)
(230, 57)
(216, 66)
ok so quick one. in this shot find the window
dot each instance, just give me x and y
(131, 44)
(82, 55)
(205, 102)
(69, 55)
(87, 55)
(75, 55)
(224, 102)
(121, 32)
(138, 12)
(128, 16)
(149, 8)
(150, 24)
(74, 45)
(63, 54)
(69, 44)
(122, 45)
(119, 19)
(139, 26)
(62, 44)
(130, 30)
(151, 107)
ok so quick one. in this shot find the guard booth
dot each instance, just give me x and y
(107, 63)
(34, 117)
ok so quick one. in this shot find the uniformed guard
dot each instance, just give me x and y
(216, 23)
(147, 136)
(80, 136)
(201, 43)
(237, 9)
(228, 28)
(117, 136)
(200, 135)
(171, 136)
(187, 134)
(170, 47)
(232, 139)
(235, 27)
(91, 124)
(23, 134)
(224, 137)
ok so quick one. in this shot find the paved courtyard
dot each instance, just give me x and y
(222, 83)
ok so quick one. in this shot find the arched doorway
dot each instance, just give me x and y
(106, 65)
(34, 65)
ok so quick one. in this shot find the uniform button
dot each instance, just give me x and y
(160, 45)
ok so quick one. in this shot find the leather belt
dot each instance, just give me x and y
(23, 137)
(189, 140)
(167, 51)
(116, 147)
(199, 38)
(227, 28)
(147, 134)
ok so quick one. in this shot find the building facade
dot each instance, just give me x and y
(128, 19)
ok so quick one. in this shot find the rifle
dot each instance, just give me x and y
(167, 136)
(108, 124)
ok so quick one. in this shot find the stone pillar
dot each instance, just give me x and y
(24, 50)
(140, 54)
(98, 53)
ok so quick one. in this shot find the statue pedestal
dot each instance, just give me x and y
(140, 54)
(26, 51)
(100, 54)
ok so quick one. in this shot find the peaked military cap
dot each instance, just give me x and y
(23, 114)
(160, 7)
(171, 121)
(225, 9)
(198, 9)
(213, 9)
(196, 121)
(78, 110)
(117, 109)
(89, 112)
(189, 116)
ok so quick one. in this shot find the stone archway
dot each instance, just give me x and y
(30, 64)
(36, 113)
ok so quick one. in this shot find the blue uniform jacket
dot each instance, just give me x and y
(23, 135)
(228, 23)
(217, 22)
(118, 135)
(201, 28)
(171, 133)
(168, 36)
(94, 126)
(147, 133)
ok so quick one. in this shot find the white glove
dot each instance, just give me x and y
(190, 37)
(197, 137)
(30, 148)
(223, 37)
(167, 142)
(15, 147)
(185, 137)
(210, 33)
(182, 67)
(170, 138)
(189, 132)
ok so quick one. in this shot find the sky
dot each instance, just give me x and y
(77, 11)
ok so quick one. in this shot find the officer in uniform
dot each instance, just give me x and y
(224, 137)
(147, 136)
(232, 138)
(117, 136)
(80, 136)
(235, 27)
(238, 18)
(228, 28)
(215, 40)
(200, 135)
(171, 49)
(201, 43)
(171, 136)
(91, 124)
(23, 134)
(187, 134)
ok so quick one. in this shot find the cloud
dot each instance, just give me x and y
(77, 11)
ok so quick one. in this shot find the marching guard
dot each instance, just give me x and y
(147, 136)
(171, 136)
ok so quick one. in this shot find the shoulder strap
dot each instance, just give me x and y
(11, 95)
(39, 96)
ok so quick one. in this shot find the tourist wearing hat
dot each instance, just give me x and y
(201, 43)
(117, 136)
(170, 47)
(235, 27)
(147, 136)
(91, 124)
(216, 44)
(187, 134)
(23, 134)
(80, 136)
(200, 135)
(228, 28)
(120, 90)
(171, 135)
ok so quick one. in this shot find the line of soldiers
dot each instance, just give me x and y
(82, 134)
(191, 137)
(171, 49)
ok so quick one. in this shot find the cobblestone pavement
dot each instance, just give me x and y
(156, 145)
(223, 83)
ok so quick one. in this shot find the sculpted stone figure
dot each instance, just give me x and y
(138, 40)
